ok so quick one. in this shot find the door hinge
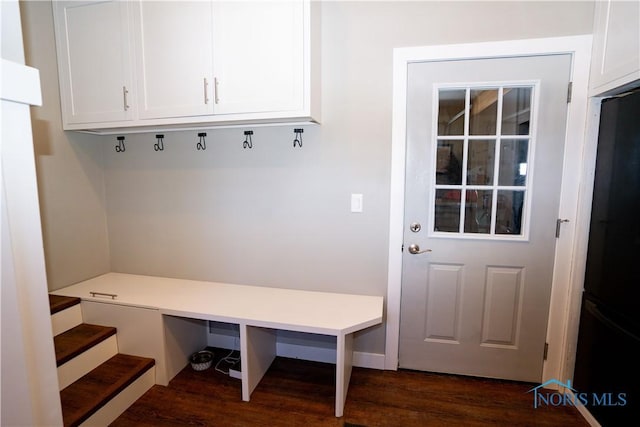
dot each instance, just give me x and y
(569, 92)
(546, 351)
(402, 248)
(559, 222)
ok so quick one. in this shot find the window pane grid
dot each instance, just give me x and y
(496, 167)
(475, 194)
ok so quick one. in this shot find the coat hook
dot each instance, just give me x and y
(120, 147)
(159, 146)
(298, 139)
(202, 144)
(248, 142)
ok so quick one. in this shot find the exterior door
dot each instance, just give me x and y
(485, 143)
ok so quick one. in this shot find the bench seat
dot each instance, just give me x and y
(258, 311)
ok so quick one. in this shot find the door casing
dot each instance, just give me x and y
(575, 198)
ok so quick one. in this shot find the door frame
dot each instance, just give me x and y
(575, 195)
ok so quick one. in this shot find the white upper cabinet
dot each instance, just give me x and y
(258, 56)
(197, 63)
(94, 61)
(616, 45)
(173, 45)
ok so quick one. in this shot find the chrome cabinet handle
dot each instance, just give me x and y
(124, 96)
(103, 294)
(216, 98)
(415, 249)
(206, 90)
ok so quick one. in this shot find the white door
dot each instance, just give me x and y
(174, 58)
(94, 61)
(485, 141)
(258, 56)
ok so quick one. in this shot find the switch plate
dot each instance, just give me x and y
(356, 203)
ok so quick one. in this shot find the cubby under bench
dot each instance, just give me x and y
(166, 319)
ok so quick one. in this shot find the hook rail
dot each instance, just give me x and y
(298, 137)
(159, 145)
(202, 143)
(120, 148)
(248, 142)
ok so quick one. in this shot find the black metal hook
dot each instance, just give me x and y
(298, 139)
(120, 147)
(248, 142)
(202, 144)
(159, 146)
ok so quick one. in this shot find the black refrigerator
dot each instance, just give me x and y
(608, 352)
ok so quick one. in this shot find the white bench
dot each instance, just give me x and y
(161, 313)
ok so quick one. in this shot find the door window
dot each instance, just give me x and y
(482, 161)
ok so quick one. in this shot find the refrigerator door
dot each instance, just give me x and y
(606, 367)
(613, 259)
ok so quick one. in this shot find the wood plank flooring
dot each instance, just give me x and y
(301, 393)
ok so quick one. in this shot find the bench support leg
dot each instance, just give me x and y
(344, 363)
(257, 351)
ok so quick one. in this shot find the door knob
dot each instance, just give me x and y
(415, 249)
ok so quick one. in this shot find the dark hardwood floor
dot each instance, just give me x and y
(301, 393)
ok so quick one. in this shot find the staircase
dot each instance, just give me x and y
(97, 384)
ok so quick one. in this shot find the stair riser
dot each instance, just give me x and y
(85, 362)
(116, 406)
(66, 319)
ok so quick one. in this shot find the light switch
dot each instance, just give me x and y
(356, 203)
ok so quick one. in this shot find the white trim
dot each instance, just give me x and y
(565, 304)
(304, 352)
(584, 411)
(328, 355)
(587, 416)
(577, 266)
(20, 83)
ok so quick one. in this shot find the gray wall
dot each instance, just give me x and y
(274, 215)
(69, 165)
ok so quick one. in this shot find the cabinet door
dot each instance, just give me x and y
(173, 58)
(616, 45)
(94, 61)
(259, 56)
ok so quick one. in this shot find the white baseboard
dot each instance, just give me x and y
(368, 360)
(585, 412)
(304, 352)
(587, 416)
(313, 354)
